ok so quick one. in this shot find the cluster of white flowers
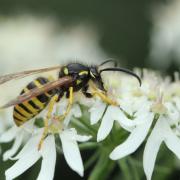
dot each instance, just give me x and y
(157, 100)
(30, 154)
(153, 108)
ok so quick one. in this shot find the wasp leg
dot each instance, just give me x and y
(60, 94)
(104, 98)
(70, 102)
(46, 122)
(84, 91)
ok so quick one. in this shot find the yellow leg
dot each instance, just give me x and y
(46, 122)
(70, 102)
(102, 95)
(104, 98)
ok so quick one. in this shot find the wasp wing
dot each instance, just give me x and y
(8, 77)
(65, 81)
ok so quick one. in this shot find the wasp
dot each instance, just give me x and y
(43, 92)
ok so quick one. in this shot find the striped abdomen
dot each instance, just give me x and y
(27, 110)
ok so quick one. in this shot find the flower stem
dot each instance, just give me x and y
(103, 167)
(124, 168)
(83, 123)
(91, 160)
(87, 124)
(59, 149)
(88, 145)
(133, 168)
(79, 126)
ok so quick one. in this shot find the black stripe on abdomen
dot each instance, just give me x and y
(19, 112)
(43, 98)
(27, 110)
(43, 81)
(34, 105)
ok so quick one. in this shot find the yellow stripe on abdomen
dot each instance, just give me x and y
(38, 103)
(23, 112)
(35, 100)
(38, 84)
(30, 108)
(18, 116)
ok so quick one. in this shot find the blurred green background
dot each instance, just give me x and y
(124, 26)
(124, 31)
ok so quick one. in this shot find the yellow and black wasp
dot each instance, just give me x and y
(42, 92)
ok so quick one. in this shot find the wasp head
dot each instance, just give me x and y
(96, 77)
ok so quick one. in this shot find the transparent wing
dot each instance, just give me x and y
(65, 81)
(9, 77)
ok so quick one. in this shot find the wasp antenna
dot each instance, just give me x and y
(125, 71)
(109, 60)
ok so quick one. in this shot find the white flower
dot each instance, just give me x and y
(29, 155)
(138, 108)
(71, 150)
(138, 128)
(166, 130)
(129, 103)
(96, 111)
(19, 135)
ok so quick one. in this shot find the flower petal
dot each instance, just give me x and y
(118, 115)
(106, 124)
(22, 164)
(71, 151)
(82, 138)
(171, 140)
(113, 113)
(28, 126)
(48, 152)
(9, 135)
(173, 113)
(17, 143)
(134, 140)
(151, 149)
(76, 111)
(29, 146)
(96, 111)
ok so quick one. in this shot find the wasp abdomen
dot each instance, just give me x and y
(28, 109)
